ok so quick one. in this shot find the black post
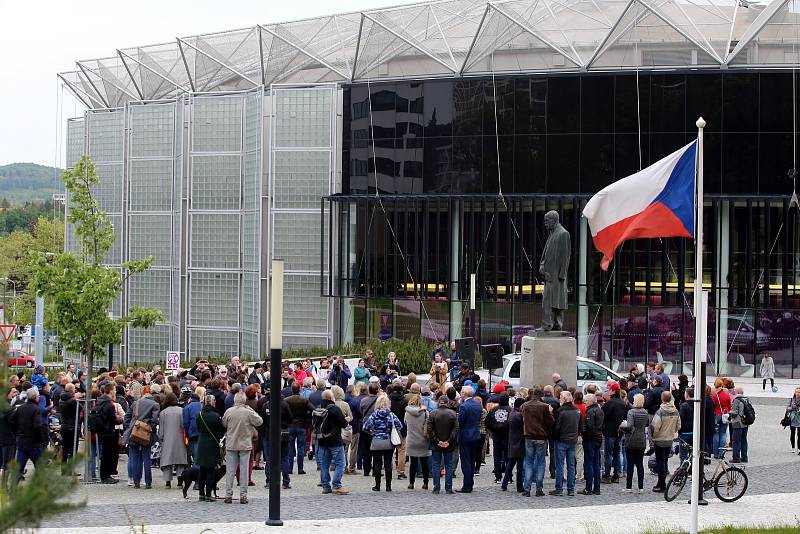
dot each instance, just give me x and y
(274, 518)
(110, 356)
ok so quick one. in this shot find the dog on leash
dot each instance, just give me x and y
(191, 475)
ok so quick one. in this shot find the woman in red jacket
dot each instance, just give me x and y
(722, 407)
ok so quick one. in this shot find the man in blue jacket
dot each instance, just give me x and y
(340, 374)
(469, 435)
(190, 412)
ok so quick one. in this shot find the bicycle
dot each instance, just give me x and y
(729, 482)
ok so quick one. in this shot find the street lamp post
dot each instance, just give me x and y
(275, 355)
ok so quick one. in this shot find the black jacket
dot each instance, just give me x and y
(286, 417)
(219, 400)
(593, 425)
(613, 414)
(26, 422)
(652, 401)
(6, 433)
(568, 423)
(686, 412)
(398, 407)
(109, 416)
(336, 421)
(516, 438)
(67, 406)
(300, 410)
(443, 426)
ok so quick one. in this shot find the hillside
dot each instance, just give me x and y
(23, 182)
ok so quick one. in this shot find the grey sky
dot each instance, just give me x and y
(41, 38)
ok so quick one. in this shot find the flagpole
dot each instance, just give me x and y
(699, 388)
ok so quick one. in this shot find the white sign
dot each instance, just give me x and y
(173, 360)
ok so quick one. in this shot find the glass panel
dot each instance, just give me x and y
(380, 319)
(435, 320)
(407, 319)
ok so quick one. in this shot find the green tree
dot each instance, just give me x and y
(80, 287)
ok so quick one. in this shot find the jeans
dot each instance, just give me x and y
(565, 451)
(499, 452)
(413, 469)
(635, 459)
(27, 453)
(591, 465)
(662, 458)
(331, 456)
(437, 459)
(535, 451)
(611, 456)
(740, 444)
(236, 460)
(193, 451)
(297, 447)
(512, 463)
(467, 450)
(683, 448)
(720, 437)
(286, 468)
(139, 457)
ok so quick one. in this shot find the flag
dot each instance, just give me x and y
(655, 202)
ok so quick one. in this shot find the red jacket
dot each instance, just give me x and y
(722, 402)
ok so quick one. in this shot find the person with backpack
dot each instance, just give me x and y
(381, 424)
(742, 416)
(327, 422)
(497, 424)
(417, 447)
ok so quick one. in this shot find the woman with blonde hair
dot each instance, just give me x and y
(380, 424)
(417, 446)
(200, 391)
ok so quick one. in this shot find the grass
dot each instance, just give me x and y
(737, 530)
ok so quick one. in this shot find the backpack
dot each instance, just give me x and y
(748, 413)
(501, 419)
(320, 429)
(96, 420)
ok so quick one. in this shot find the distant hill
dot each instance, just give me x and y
(23, 182)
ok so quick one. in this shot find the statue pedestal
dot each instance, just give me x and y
(543, 355)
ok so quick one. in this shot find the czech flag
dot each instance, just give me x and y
(655, 202)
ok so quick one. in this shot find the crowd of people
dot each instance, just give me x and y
(209, 422)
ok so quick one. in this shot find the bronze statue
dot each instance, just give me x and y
(553, 266)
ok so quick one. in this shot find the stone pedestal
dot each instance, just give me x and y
(543, 355)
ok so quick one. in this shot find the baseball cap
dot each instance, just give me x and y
(186, 390)
(613, 388)
(500, 387)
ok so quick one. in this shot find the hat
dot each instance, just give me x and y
(500, 387)
(469, 383)
(186, 390)
(190, 378)
(465, 365)
(613, 388)
(444, 399)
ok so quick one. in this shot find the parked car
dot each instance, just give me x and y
(18, 358)
(740, 335)
(589, 372)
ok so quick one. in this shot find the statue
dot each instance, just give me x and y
(553, 266)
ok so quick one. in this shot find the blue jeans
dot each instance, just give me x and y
(139, 457)
(683, 449)
(27, 453)
(535, 452)
(591, 465)
(565, 451)
(297, 447)
(499, 452)
(286, 469)
(437, 458)
(740, 443)
(720, 436)
(611, 456)
(331, 456)
(466, 452)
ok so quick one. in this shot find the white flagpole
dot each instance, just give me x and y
(697, 452)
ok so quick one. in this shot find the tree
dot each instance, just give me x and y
(78, 285)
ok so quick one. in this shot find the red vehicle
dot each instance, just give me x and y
(18, 358)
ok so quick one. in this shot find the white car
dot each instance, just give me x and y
(589, 372)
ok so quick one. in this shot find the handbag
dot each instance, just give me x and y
(786, 421)
(347, 434)
(142, 432)
(394, 437)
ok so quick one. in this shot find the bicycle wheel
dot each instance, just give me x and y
(675, 484)
(730, 484)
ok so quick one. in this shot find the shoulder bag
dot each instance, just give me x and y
(395, 435)
(142, 432)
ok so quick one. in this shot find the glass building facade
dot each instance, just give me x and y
(450, 205)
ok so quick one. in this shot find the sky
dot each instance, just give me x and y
(39, 39)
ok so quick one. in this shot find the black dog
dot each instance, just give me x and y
(190, 475)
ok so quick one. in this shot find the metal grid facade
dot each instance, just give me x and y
(302, 155)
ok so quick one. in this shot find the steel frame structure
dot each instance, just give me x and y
(446, 38)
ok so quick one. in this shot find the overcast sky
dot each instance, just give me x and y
(38, 39)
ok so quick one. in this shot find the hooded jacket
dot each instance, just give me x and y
(497, 423)
(416, 424)
(240, 424)
(380, 423)
(665, 425)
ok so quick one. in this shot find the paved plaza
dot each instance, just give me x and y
(773, 472)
